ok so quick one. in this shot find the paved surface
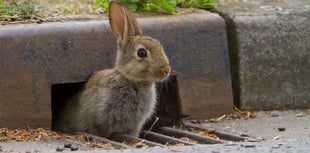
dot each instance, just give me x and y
(294, 138)
(269, 53)
(267, 124)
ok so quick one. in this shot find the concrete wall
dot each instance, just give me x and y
(35, 57)
(270, 53)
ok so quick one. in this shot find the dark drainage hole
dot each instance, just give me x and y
(62, 93)
(168, 115)
(168, 106)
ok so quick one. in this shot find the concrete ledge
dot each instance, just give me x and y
(269, 51)
(34, 57)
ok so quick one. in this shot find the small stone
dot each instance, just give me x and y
(139, 146)
(68, 145)
(39, 21)
(274, 115)
(74, 148)
(59, 149)
(259, 138)
(276, 146)
(248, 145)
(281, 129)
(36, 151)
(288, 147)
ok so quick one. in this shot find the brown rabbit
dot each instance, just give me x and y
(119, 100)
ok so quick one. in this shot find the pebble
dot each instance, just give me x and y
(274, 115)
(59, 149)
(275, 146)
(281, 128)
(139, 146)
(248, 145)
(74, 148)
(67, 145)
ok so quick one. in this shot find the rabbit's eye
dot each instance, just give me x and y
(142, 53)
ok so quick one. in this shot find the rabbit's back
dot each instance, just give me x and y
(109, 103)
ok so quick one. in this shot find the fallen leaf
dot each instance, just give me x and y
(219, 119)
(209, 133)
(300, 115)
(195, 121)
(38, 134)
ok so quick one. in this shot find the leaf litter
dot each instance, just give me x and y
(40, 134)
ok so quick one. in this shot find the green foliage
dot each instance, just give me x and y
(202, 4)
(15, 7)
(27, 9)
(155, 5)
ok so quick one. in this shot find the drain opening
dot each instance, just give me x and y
(168, 109)
(166, 127)
(62, 93)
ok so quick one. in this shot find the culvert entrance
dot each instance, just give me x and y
(167, 127)
(60, 94)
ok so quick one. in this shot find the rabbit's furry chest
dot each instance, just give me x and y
(116, 95)
(111, 104)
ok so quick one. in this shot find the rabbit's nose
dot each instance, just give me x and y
(166, 71)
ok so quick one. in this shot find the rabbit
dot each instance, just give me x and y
(119, 100)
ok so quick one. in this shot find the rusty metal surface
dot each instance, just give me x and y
(181, 133)
(172, 136)
(163, 139)
(222, 134)
(128, 138)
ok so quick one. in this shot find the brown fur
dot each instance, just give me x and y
(118, 100)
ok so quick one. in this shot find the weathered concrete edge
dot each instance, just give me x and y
(64, 44)
(237, 31)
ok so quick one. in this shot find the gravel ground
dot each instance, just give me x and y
(270, 125)
(281, 131)
(272, 146)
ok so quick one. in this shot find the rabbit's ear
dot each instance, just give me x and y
(122, 21)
